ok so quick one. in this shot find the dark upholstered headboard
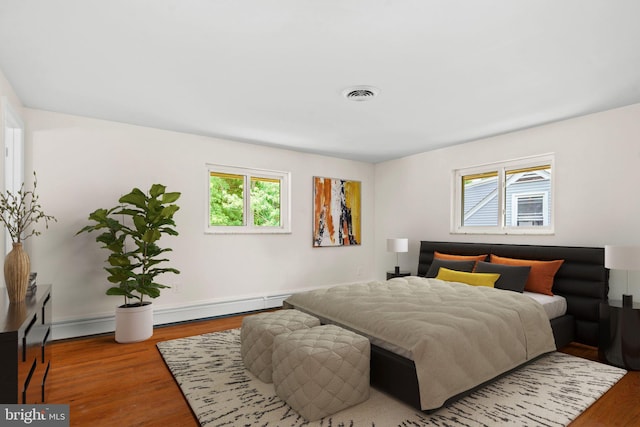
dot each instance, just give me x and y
(582, 279)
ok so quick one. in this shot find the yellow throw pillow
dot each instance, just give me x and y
(475, 279)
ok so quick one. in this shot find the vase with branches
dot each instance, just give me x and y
(20, 211)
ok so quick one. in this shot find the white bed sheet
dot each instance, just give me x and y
(554, 305)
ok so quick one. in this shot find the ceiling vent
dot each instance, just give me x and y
(361, 93)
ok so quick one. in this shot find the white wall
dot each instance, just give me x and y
(83, 164)
(596, 202)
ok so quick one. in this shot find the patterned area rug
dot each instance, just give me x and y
(552, 391)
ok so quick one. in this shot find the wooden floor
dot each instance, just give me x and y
(110, 384)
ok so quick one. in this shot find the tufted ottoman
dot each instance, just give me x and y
(322, 370)
(257, 333)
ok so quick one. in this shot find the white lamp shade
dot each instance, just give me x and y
(397, 245)
(622, 257)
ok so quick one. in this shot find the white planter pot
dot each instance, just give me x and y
(134, 324)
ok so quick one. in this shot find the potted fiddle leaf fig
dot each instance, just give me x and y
(130, 232)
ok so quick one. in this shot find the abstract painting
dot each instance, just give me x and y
(336, 212)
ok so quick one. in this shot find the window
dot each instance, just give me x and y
(243, 200)
(513, 197)
(529, 210)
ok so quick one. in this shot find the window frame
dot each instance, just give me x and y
(457, 203)
(249, 227)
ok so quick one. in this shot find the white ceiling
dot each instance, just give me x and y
(273, 71)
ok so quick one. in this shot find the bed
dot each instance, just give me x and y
(582, 280)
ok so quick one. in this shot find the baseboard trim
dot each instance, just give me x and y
(163, 316)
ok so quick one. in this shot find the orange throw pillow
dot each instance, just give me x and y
(541, 275)
(475, 258)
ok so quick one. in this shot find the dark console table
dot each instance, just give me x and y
(25, 358)
(619, 343)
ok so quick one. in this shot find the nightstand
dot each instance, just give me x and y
(392, 274)
(25, 351)
(619, 335)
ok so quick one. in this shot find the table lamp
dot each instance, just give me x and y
(623, 258)
(397, 246)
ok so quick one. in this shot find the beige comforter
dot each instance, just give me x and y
(458, 336)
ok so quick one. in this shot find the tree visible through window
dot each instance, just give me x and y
(265, 201)
(226, 199)
(263, 208)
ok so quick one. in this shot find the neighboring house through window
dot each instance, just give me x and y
(513, 197)
(245, 200)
